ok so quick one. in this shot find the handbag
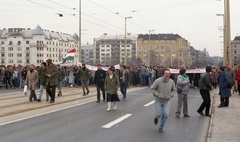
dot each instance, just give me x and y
(231, 84)
(179, 90)
(25, 90)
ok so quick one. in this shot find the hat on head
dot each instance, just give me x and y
(44, 63)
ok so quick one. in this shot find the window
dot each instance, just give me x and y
(19, 55)
(19, 61)
(162, 47)
(19, 42)
(2, 42)
(27, 48)
(27, 42)
(10, 43)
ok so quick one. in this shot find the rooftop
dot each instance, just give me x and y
(159, 36)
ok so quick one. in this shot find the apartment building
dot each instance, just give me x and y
(110, 49)
(163, 50)
(34, 46)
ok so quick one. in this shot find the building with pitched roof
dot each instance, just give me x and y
(34, 46)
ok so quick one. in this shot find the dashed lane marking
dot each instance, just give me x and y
(109, 125)
(150, 103)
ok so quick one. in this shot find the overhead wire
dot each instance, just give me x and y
(71, 15)
(117, 14)
(85, 14)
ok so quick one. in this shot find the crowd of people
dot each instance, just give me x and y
(161, 81)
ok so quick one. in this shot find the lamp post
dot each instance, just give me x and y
(149, 38)
(227, 53)
(80, 32)
(125, 40)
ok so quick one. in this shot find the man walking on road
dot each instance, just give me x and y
(205, 87)
(85, 76)
(42, 78)
(52, 79)
(99, 78)
(163, 90)
(31, 82)
(124, 79)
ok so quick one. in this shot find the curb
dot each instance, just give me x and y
(209, 134)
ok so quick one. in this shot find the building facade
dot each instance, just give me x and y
(110, 49)
(235, 44)
(34, 46)
(88, 54)
(163, 50)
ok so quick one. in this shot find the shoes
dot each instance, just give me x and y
(115, 107)
(47, 100)
(160, 130)
(87, 92)
(51, 101)
(104, 99)
(84, 94)
(208, 115)
(97, 101)
(38, 100)
(186, 115)
(221, 106)
(155, 121)
(177, 116)
(201, 113)
(108, 109)
(30, 100)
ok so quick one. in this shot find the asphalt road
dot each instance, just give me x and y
(92, 123)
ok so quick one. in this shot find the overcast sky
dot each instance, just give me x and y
(194, 20)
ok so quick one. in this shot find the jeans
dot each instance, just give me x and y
(85, 84)
(143, 80)
(150, 81)
(41, 92)
(60, 86)
(162, 110)
(123, 89)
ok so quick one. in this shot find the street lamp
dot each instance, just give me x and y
(80, 32)
(149, 31)
(125, 60)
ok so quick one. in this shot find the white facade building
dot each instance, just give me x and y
(34, 46)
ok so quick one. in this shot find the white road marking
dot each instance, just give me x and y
(56, 110)
(150, 103)
(109, 125)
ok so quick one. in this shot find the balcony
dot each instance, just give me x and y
(27, 51)
(37, 45)
(2, 51)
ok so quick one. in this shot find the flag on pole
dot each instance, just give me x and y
(69, 56)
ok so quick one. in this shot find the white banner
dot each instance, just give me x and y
(198, 70)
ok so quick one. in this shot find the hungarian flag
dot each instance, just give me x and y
(70, 55)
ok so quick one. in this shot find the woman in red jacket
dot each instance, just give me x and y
(238, 80)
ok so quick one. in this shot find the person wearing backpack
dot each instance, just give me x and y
(224, 89)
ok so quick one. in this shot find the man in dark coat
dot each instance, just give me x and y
(52, 79)
(99, 79)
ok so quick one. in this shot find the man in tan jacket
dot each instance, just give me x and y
(52, 79)
(31, 81)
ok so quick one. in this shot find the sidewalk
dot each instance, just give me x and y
(225, 122)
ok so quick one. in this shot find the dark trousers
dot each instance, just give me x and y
(123, 89)
(224, 101)
(206, 101)
(51, 91)
(33, 95)
(100, 87)
(8, 82)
